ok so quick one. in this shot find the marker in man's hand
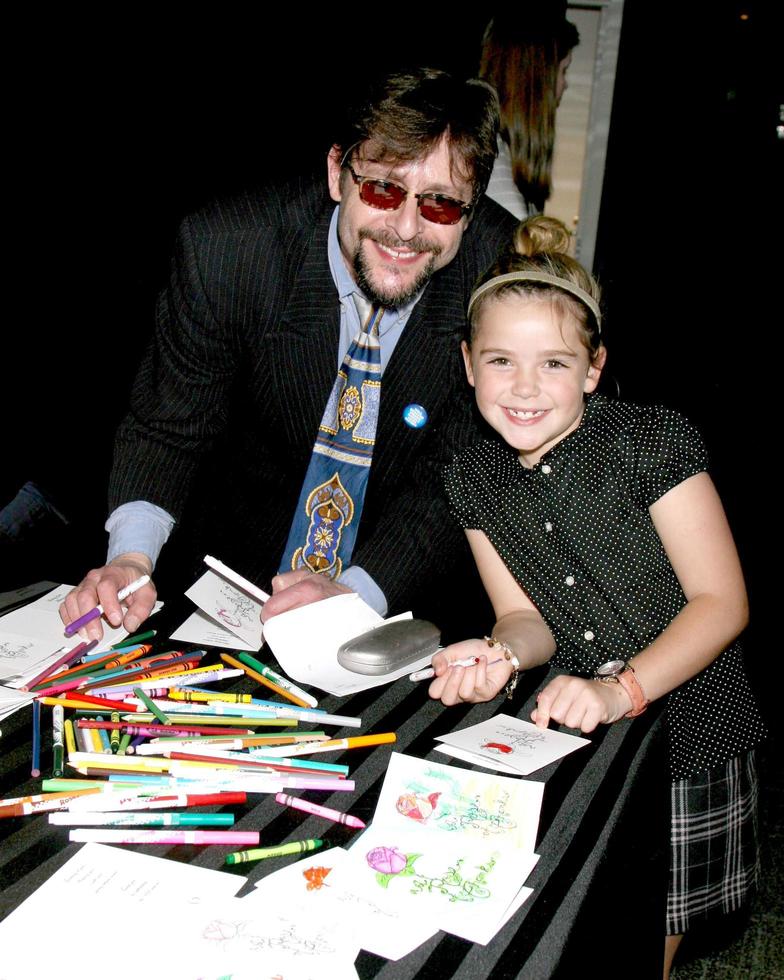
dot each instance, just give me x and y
(94, 613)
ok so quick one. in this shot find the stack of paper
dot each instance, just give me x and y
(186, 918)
(508, 744)
(448, 849)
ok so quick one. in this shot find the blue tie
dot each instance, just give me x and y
(325, 522)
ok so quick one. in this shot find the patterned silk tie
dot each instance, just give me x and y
(325, 522)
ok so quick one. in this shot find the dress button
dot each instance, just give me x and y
(569, 580)
(589, 635)
(546, 468)
(548, 526)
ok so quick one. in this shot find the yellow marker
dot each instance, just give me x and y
(210, 696)
(70, 738)
(335, 744)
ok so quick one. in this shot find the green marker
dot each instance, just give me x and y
(134, 640)
(58, 743)
(125, 741)
(151, 706)
(259, 853)
(69, 785)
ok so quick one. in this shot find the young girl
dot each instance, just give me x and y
(604, 548)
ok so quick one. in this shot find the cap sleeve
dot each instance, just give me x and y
(668, 450)
(457, 479)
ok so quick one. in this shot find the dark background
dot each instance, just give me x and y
(119, 126)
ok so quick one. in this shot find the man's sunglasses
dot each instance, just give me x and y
(386, 196)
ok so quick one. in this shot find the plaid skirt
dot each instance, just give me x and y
(714, 858)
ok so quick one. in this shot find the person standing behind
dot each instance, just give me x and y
(526, 53)
(364, 275)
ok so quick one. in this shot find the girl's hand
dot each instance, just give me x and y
(579, 703)
(453, 685)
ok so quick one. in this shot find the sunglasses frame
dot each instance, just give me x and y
(421, 199)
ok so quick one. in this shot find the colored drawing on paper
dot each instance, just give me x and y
(236, 610)
(487, 817)
(417, 807)
(521, 742)
(316, 878)
(498, 747)
(457, 884)
(471, 806)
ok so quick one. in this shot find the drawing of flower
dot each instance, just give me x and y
(388, 862)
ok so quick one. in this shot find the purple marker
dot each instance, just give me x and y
(97, 611)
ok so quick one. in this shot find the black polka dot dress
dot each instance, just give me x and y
(576, 533)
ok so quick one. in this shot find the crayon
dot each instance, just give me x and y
(319, 811)
(260, 853)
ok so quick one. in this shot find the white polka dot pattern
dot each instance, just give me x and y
(580, 540)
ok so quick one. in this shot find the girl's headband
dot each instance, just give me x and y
(565, 284)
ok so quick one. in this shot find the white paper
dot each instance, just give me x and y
(33, 636)
(11, 701)
(473, 759)
(306, 642)
(238, 938)
(460, 884)
(228, 607)
(449, 848)
(516, 743)
(113, 890)
(202, 631)
(309, 885)
(455, 803)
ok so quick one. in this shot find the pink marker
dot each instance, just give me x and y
(320, 811)
(121, 836)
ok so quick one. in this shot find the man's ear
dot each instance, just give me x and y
(595, 371)
(334, 159)
(467, 361)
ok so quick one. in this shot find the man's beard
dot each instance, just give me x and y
(389, 296)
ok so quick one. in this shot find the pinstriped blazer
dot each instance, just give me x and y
(230, 394)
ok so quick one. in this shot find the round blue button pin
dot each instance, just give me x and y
(415, 415)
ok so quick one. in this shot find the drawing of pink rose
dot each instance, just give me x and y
(386, 860)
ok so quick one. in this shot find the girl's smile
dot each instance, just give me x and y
(531, 372)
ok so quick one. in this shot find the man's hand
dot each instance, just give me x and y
(453, 685)
(299, 588)
(579, 703)
(101, 585)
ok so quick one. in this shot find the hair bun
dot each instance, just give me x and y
(541, 234)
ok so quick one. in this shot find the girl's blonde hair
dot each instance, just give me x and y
(537, 265)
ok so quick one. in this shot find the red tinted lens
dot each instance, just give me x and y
(440, 210)
(381, 194)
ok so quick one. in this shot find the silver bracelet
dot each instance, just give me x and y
(494, 643)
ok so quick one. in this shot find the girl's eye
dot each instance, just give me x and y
(553, 363)
(502, 361)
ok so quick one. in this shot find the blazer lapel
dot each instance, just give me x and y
(305, 340)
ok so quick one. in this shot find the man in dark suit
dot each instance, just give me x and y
(265, 295)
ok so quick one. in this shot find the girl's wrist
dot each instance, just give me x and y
(622, 701)
(502, 647)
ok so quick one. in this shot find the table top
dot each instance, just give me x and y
(599, 887)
